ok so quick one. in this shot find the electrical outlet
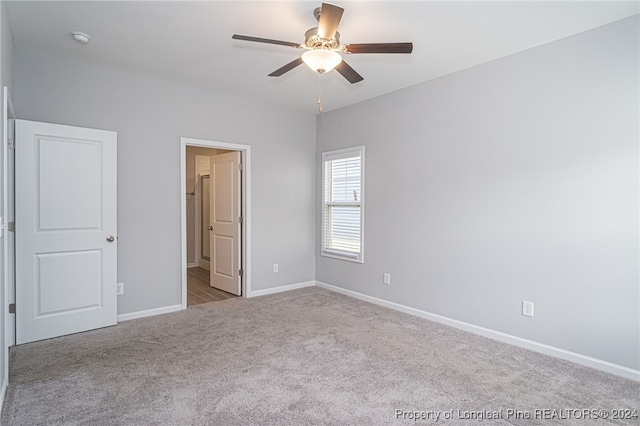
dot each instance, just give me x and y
(275, 268)
(120, 289)
(527, 308)
(386, 278)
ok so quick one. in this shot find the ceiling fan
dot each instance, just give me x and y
(322, 44)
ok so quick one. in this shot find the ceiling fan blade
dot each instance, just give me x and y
(264, 40)
(291, 65)
(379, 48)
(349, 73)
(330, 16)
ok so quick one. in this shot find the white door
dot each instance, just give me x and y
(65, 230)
(225, 224)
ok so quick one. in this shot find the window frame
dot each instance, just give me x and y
(357, 151)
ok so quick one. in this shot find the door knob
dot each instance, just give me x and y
(210, 228)
(110, 238)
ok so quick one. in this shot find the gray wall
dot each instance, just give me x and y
(150, 116)
(513, 180)
(7, 50)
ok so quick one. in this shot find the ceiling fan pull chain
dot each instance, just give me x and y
(319, 94)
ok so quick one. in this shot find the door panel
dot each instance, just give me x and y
(63, 177)
(224, 187)
(224, 212)
(57, 291)
(65, 211)
(224, 260)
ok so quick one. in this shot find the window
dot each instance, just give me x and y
(342, 205)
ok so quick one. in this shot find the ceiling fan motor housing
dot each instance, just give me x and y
(313, 41)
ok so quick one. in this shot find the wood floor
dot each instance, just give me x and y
(199, 291)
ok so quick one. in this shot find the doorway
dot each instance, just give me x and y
(204, 284)
(216, 232)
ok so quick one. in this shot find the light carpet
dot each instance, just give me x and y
(303, 357)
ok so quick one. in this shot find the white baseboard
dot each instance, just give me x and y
(192, 265)
(598, 364)
(280, 289)
(149, 313)
(3, 391)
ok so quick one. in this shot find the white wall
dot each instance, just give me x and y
(513, 180)
(150, 116)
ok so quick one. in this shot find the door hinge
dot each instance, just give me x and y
(12, 308)
(11, 226)
(240, 166)
(11, 144)
(240, 219)
(240, 272)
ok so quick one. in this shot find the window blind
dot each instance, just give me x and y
(342, 203)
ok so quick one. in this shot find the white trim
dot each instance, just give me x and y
(332, 156)
(193, 265)
(587, 361)
(3, 391)
(8, 288)
(246, 204)
(281, 288)
(149, 313)
(183, 223)
(339, 154)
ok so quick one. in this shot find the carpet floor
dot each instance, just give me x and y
(304, 357)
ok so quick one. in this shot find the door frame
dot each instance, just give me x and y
(8, 289)
(245, 264)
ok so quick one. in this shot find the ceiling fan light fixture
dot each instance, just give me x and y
(321, 60)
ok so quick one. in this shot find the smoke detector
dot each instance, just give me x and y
(81, 38)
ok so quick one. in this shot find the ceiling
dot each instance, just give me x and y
(190, 43)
